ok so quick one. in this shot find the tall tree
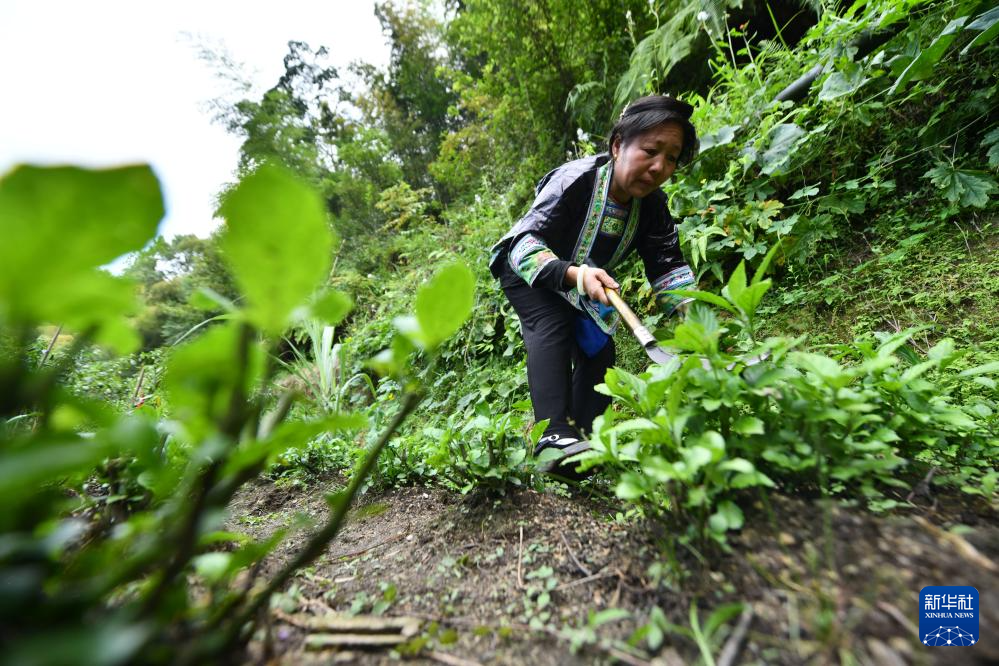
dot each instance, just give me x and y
(410, 100)
(530, 74)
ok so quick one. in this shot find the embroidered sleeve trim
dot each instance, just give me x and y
(529, 256)
(678, 278)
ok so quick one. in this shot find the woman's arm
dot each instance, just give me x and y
(665, 267)
(594, 281)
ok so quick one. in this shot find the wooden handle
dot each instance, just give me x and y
(630, 318)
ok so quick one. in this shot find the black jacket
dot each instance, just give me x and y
(558, 214)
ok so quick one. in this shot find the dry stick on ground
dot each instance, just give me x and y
(734, 644)
(899, 617)
(586, 572)
(923, 487)
(617, 591)
(520, 558)
(138, 386)
(362, 551)
(603, 573)
(963, 548)
(450, 659)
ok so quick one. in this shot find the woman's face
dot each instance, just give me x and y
(645, 162)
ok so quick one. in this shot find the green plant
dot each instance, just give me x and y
(707, 637)
(734, 413)
(108, 591)
(322, 373)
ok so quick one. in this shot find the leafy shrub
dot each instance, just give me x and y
(735, 413)
(910, 112)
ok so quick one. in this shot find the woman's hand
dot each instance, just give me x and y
(594, 282)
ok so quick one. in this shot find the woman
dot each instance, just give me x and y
(553, 264)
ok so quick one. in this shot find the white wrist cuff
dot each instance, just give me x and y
(579, 281)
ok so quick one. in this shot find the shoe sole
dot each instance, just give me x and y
(571, 450)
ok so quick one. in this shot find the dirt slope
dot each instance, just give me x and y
(512, 580)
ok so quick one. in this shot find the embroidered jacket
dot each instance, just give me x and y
(563, 225)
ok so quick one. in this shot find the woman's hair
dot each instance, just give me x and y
(647, 112)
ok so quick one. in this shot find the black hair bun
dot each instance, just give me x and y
(661, 103)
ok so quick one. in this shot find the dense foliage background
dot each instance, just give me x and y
(848, 232)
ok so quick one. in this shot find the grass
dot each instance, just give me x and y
(894, 276)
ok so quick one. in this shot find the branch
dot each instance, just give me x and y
(317, 544)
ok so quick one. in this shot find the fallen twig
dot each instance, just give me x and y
(899, 617)
(603, 573)
(362, 551)
(48, 350)
(960, 544)
(586, 572)
(354, 624)
(734, 643)
(450, 659)
(520, 559)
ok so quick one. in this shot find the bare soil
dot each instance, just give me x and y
(835, 585)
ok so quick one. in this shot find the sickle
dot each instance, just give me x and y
(648, 341)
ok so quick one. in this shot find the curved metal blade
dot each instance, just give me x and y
(658, 354)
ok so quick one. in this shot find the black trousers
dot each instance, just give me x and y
(560, 376)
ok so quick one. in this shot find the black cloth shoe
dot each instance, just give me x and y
(567, 446)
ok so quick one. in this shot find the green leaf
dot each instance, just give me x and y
(206, 298)
(277, 243)
(705, 296)
(724, 135)
(443, 305)
(721, 615)
(728, 517)
(631, 486)
(765, 264)
(733, 291)
(537, 430)
(109, 644)
(985, 369)
(753, 295)
(785, 139)
(823, 366)
(992, 140)
(332, 307)
(988, 24)
(839, 84)
(106, 213)
(922, 66)
(58, 225)
(212, 566)
(969, 188)
(748, 425)
(697, 457)
(807, 191)
(608, 615)
(201, 376)
(289, 436)
(23, 471)
(547, 455)
(740, 465)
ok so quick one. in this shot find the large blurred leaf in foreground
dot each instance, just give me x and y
(59, 225)
(277, 243)
(444, 304)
